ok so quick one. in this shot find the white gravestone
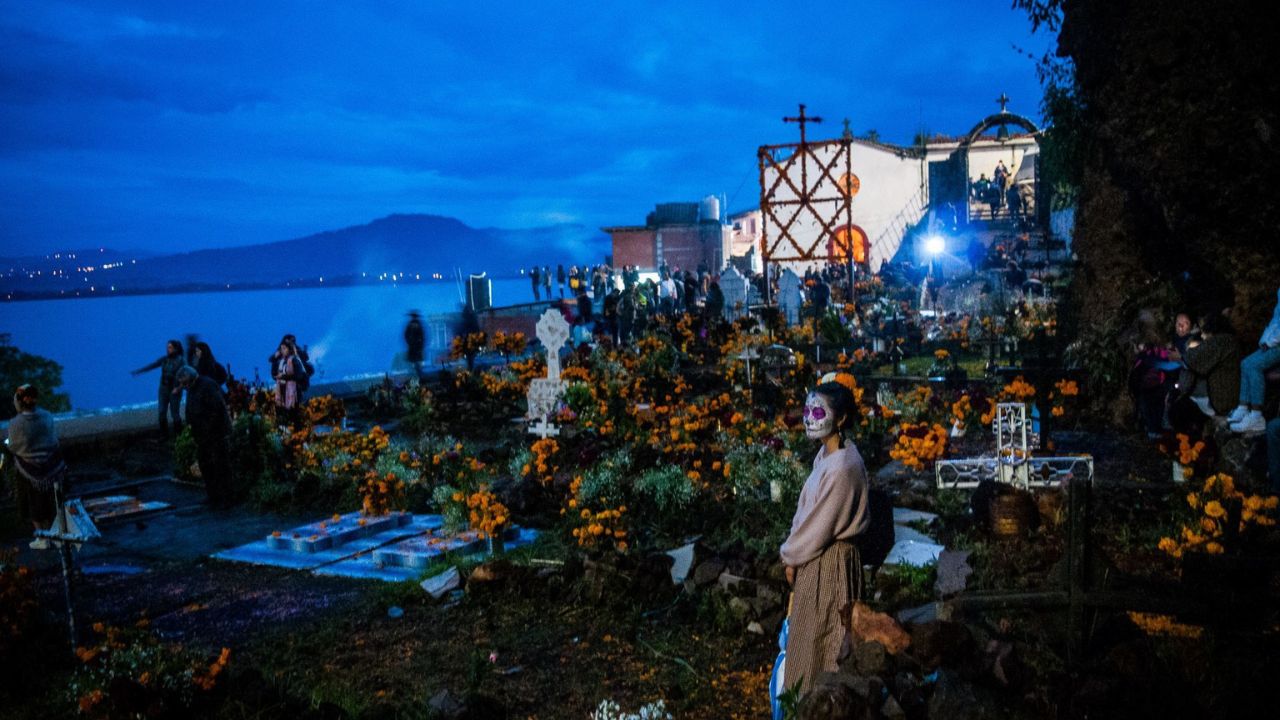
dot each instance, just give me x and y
(734, 286)
(789, 296)
(544, 393)
(1013, 463)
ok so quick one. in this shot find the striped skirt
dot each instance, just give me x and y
(825, 590)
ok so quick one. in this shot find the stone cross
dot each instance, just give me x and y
(789, 297)
(734, 287)
(544, 393)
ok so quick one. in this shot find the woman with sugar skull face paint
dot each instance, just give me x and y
(822, 562)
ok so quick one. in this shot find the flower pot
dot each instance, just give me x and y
(1012, 514)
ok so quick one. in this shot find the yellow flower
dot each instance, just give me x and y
(1214, 509)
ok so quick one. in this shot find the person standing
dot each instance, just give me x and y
(169, 395)
(535, 279)
(33, 441)
(415, 340)
(287, 370)
(1247, 417)
(560, 278)
(822, 563)
(203, 361)
(546, 282)
(211, 427)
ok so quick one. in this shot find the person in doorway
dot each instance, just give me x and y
(211, 427)
(1247, 417)
(33, 441)
(822, 562)
(415, 340)
(169, 395)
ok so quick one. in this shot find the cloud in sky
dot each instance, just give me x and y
(160, 125)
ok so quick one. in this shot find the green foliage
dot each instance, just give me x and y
(906, 585)
(184, 454)
(18, 368)
(453, 511)
(832, 330)
(666, 488)
(578, 397)
(606, 478)
(419, 408)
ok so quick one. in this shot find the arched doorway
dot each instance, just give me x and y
(1017, 194)
(849, 239)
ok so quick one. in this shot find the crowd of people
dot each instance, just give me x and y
(1199, 376)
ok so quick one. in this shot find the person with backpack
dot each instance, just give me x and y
(822, 558)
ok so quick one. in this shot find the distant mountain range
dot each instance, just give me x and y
(414, 247)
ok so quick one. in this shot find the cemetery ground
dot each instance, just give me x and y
(1163, 608)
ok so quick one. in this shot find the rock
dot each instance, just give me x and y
(772, 622)
(953, 572)
(955, 699)
(740, 608)
(1005, 665)
(440, 584)
(444, 704)
(771, 594)
(735, 584)
(916, 615)
(868, 625)
(489, 572)
(942, 643)
(891, 710)
(870, 658)
(755, 628)
(707, 572)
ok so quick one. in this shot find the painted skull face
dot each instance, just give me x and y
(819, 418)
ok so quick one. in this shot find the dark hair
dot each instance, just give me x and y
(1215, 324)
(175, 343)
(27, 396)
(842, 403)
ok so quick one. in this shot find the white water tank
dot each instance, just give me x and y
(709, 210)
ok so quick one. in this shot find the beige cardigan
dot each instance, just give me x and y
(833, 506)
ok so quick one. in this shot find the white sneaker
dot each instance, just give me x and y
(1202, 402)
(1252, 424)
(39, 544)
(1238, 414)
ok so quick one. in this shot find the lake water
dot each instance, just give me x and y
(348, 330)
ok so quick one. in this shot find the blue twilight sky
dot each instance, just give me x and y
(167, 125)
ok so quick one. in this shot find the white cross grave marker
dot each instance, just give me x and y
(544, 393)
(1013, 463)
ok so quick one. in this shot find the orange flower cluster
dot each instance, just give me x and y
(989, 416)
(918, 444)
(541, 466)
(603, 527)
(941, 354)
(17, 600)
(467, 346)
(488, 516)
(1208, 532)
(380, 494)
(324, 410)
(508, 344)
(209, 678)
(1067, 388)
(960, 410)
(575, 374)
(1164, 625)
(1019, 390)
(1187, 452)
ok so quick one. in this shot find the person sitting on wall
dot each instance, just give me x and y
(1247, 417)
(1210, 381)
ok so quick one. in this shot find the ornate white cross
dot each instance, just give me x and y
(544, 393)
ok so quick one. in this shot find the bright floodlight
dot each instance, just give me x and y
(934, 244)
